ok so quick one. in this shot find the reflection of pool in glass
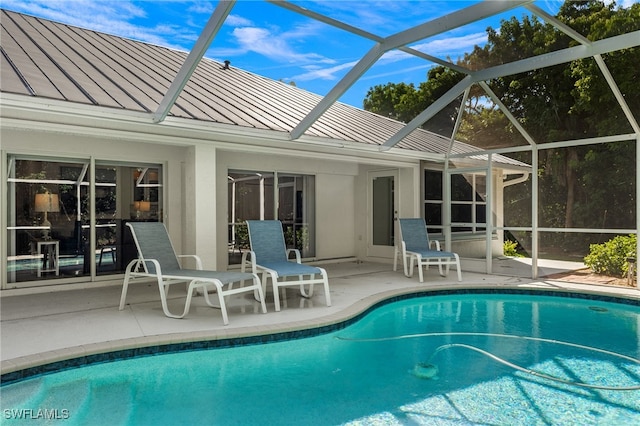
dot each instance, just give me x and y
(369, 378)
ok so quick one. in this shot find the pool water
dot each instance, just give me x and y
(364, 374)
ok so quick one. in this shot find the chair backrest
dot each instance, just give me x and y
(267, 240)
(413, 231)
(152, 241)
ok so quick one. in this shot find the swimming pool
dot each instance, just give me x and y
(446, 359)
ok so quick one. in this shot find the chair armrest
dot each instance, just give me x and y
(296, 252)
(193, 256)
(437, 244)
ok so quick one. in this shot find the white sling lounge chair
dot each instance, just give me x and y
(157, 259)
(270, 255)
(415, 246)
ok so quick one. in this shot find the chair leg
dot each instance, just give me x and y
(163, 298)
(262, 284)
(276, 293)
(325, 282)
(458, 267)
(440, 268)
(125, 284)
(221, 294)
(405, 266)
(223, 306)
(409, 272)
(265, 281)
(302, 290)
(395, 258)
(420, 267)
(258, 289)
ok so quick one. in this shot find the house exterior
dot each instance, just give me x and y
(83, 153)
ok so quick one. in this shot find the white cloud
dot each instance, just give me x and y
(205, 7)
(398, 71)
(317, 73)
(237, 21)
(272, 44)
(626, 3)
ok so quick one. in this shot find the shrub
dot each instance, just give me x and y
(510, 248)
(610, 257)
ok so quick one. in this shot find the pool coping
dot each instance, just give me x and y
(17, 369)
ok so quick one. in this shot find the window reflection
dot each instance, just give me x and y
(254, 195)
(49, 230)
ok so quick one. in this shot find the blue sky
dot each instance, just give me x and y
(268, 40)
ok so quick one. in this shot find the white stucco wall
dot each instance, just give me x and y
(407, 186)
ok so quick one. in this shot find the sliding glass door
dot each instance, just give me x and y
(264, 195)
(65, 217)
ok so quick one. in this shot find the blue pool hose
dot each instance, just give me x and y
(507, 363)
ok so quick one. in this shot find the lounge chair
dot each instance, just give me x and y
(157, 259)
(270, 256)
(415, 246)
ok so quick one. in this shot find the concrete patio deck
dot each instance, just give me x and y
(39, 328)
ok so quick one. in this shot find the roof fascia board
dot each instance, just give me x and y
(210, 30)
(21, 112)
(260, 145)
(305, 143)
(425, 115)
(607, 45)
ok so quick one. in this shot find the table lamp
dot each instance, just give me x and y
(141, 206)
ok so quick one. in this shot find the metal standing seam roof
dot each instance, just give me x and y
(42, 58)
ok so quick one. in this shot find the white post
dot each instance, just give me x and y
(534, 212)
(489, 213)
(637, 209)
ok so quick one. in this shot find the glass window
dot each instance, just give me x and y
(49, 233)
(468, 201)
(253, 196)
(433, 201)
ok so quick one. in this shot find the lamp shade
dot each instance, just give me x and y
(47, 202)
(142, 206)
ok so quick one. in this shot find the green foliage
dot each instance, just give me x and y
(583, 186)
(242, 234)
(403, 102)
(301, 241)
(510, 248)
(610, 258)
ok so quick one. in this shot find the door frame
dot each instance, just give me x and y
(383, 251)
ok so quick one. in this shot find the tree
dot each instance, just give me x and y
(394, 100)
(564, 102)
(403, 101)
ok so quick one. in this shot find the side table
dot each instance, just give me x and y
(50, 250)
